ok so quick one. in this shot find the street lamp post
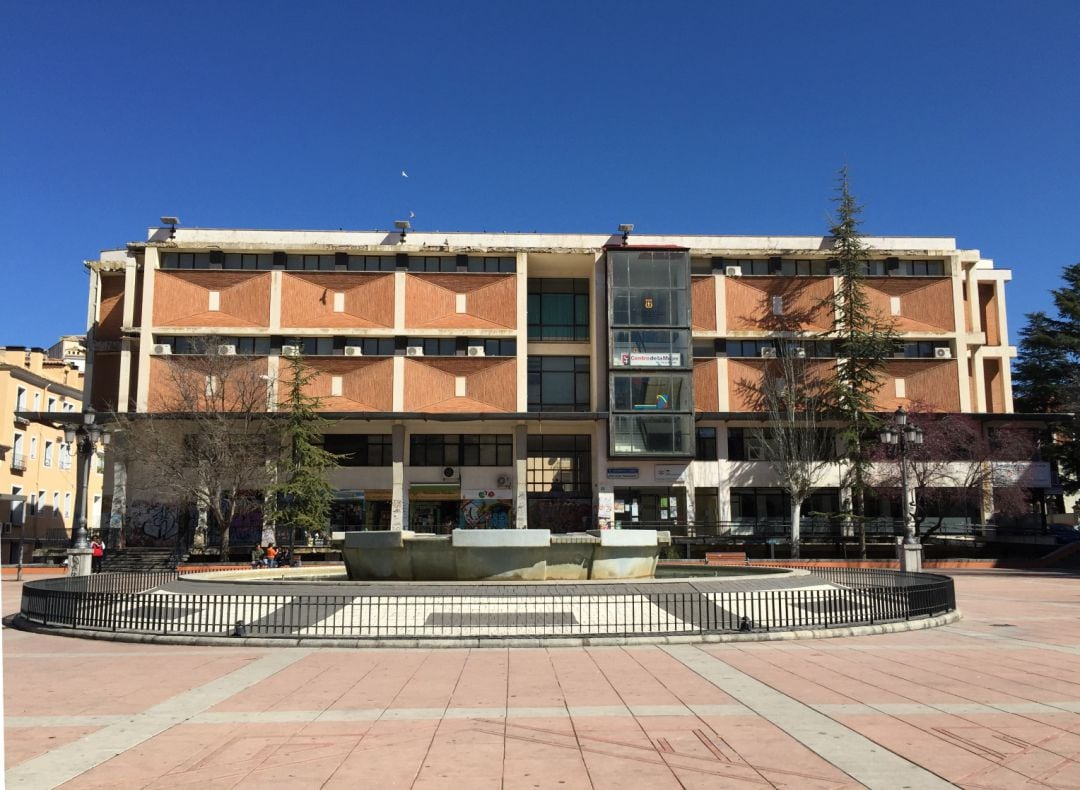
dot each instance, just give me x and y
(85, 439)
(901, 435)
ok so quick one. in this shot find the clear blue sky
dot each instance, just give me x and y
(956, 118)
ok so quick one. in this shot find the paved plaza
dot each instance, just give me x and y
(992, 701)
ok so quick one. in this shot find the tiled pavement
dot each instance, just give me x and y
(992, 701)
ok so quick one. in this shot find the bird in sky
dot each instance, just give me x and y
(412, 215)
(404, 174)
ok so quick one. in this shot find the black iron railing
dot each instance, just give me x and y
(133, 603)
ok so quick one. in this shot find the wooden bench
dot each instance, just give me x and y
(725, 558)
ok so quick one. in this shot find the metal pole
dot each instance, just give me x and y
(909, 517)
(85, 449)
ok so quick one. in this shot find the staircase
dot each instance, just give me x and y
(138, 560)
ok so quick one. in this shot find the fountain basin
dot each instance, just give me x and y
(502, 554)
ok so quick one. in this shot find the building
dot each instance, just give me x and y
(38, 473)
(71, 349)
(488, 379)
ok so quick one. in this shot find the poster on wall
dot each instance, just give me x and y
(605, 511)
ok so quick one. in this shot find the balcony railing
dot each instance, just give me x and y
(18, 462)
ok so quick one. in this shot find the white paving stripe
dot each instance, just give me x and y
(854, 754)
(70, 760)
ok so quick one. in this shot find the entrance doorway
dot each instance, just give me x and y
(649, 507)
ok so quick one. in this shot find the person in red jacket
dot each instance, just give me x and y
(98, 549)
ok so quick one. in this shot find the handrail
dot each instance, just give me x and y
(135, 604)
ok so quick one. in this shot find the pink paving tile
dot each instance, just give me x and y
(532, 682)
(634, 684)
(581, 680)
(189, 755)
(483, 680)
(943, 755)
(760, 668)
(460, 749)
(388, 757)
(770, 753)
(542, 753)
(831, 671)
(686, 685)
(25, 743)
(433, 682)
(619, 754)
(47, 685)
(394, 669)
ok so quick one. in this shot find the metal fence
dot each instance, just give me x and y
(134, 603)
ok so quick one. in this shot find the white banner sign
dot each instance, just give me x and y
(643, 360)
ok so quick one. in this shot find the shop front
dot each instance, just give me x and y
(649, 507)
(434, 507)
(360, 509)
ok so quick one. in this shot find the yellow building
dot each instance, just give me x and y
(39, 471)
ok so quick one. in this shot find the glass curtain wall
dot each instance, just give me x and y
(651, 368)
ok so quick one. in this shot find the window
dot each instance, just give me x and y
(649, 289)
(500, 348)
(372, 346)
(249, 261)
(33, 505)
(67, 504)
(921, 349)
(746, 444)
(818, 349)
(438, 449)
(199, 345)
(317, 346)
(558, 309)
(559, 384)
(650, 348)
(492, 265)
(20, 399)
(309, 263)
(48, 459)
(559, 464)
(371, 263)
(436, 346)
(37, 401)
(432, 263)
(705, 449)
(18, 460)
(65, 456)
(360, 449)
(69, 406)
(652, 434)
(16, 505)
(654, 392)
(52, 404)
(42, 495)
(33, 448)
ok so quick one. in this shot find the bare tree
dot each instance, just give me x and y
(953, 469)
(207, 438)
(796, 443)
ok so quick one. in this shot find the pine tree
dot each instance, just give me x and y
(863, 340)
(302, 497)
(1046, 377)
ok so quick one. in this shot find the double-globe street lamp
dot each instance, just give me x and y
(84, 438)
(900, 434)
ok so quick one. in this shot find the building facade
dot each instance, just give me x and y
(38, 472)
(493, 380)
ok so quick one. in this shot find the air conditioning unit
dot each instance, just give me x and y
(943, 353)
(161, 349)
(503, 481)
(476, 351)
(290, 351)
(449, 473)
(226, 350)
(768, 352)
(799, 352)
(733, 271)
(354, 351)
(414, 351)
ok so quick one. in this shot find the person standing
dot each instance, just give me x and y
(271, 556)
(98, 553)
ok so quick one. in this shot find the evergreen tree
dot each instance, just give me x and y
(863, 340)
(1046, 377)
(302, 497)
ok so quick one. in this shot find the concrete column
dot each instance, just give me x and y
(119, 505)
(399, 501)
(521, 455)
